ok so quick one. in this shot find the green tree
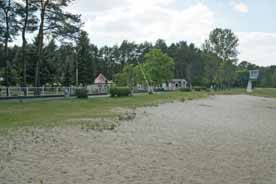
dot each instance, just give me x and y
(50, 64)
(57, 23)
(274, 79)
(130, 76)
(86, 63)
(8, 30)
(224, 43)
(161, 44)
(159, 67)
(28, 23)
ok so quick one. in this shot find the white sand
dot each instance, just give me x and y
(219, 140)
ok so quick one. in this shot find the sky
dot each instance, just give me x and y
(109, 22)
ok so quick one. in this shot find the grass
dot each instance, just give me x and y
(57, 112)
(265, 92)
(234, 91)
(65, 111)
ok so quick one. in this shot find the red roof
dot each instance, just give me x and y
(101, 79)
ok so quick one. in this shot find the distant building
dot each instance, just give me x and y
(100, 86)
(101, 79)
(174, 84)
(171, 85)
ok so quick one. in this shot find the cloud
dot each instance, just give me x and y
(239, 6)
(109, 22)
(149, 20)
(258, 47)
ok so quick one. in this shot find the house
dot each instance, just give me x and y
(100, 85)
(171, 85)
(174, 84)
(101, 79)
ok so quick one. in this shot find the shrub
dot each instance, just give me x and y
(82, 93)
(119, 91)
(200, 88)
(185, 89)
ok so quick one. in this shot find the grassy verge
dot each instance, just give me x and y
(57, 112)
(234, 91)
(262, 92)
(265, 92)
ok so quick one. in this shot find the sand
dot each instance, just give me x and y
(222, 139)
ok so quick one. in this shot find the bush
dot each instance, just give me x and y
(82, 93)
(119, 91)
(185, 89)
(200, 88)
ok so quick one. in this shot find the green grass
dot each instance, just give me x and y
(234, 91)
(262, 92)
(265, 92)
(58, 112)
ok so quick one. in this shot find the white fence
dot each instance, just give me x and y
(49, 91)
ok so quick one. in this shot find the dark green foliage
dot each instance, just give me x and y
(86, 60)
(200, 88)
(158, 67)
(119, 91)
(66, 62)
(224, 43)
(185, 89)
(82, 93)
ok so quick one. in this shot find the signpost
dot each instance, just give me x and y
(253, 75)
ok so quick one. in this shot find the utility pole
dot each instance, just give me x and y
(77, 68)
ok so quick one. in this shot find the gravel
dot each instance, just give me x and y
(222, 139)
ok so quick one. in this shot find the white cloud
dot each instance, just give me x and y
(149, 20)
(109, 22)
(258, 47)
(239, 6)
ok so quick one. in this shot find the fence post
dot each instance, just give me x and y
(27, 91)
(42, 91)
(8, 91)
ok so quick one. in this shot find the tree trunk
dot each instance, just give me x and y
(40, 44)
(24, 42)
(7, 35)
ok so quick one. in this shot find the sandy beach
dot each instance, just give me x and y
(221, 139)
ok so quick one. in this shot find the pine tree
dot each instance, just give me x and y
(56, 23)
(86, 63)
(28, 22)
(8, 30)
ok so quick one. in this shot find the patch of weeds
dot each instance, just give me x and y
(128, 116)
(152, 104)
(205, 105)
(98, 124)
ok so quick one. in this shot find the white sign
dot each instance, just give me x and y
(253, 74)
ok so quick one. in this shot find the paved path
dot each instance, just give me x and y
(222, 139)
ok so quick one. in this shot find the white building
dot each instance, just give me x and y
(174, 84)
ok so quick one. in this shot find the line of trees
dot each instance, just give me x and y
(46, 18)
(62, 54)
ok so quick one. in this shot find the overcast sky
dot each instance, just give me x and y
(109, 22)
